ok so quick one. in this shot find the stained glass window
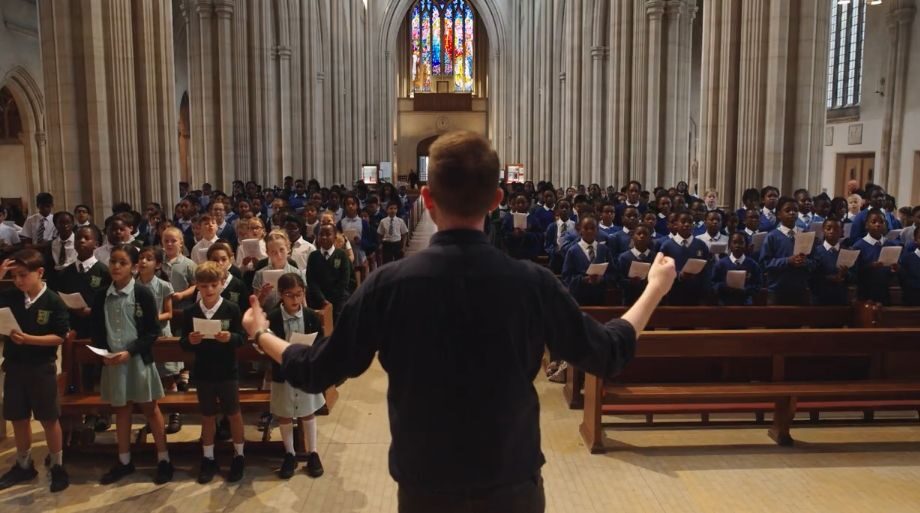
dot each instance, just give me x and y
(441, 41)
(844, 69)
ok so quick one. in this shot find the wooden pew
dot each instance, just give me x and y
(715, 318)
(76, 402)
(883, 383)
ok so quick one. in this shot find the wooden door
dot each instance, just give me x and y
(854, 166)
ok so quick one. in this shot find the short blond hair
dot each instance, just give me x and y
(210, 272)
(278, 236)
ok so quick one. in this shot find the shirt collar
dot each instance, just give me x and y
(917, 252)
(68, 239)
(88, 263)
(287, 317)
(785, 230)
(748, 231)
(766, 211)
(638, 253)
(661, 216)
(680, 240)
(636, 204)
(835, 247)
(872, 241)
(804, 216)
(209, 312)
(126, 291)
(584, 245)
(706, 236)
(459, 236)
(30, 302)
(227, 281)
(737, 261)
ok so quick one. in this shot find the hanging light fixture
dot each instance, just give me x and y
(875, 2)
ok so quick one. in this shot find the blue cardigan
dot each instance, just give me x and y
(691, 291)
(524, 247)
(728, 295)
(631, 289)
(872, 284)
(909, 274)
(824, 291)
(574, 270)
(781, 276)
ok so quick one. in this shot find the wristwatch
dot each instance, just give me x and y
(257, 335)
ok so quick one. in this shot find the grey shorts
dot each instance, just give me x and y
(30, 390)
(212, 392)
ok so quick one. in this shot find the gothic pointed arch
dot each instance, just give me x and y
(30, 102)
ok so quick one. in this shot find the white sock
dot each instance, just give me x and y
(163, 456)
(24, 458)
(124, 458)
(310, 427)
(208, 451)
(287, 437)
(238, 448)
(57, 458)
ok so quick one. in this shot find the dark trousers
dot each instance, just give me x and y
(392, 251)
(526, 497)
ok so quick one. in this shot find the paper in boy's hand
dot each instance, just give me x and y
(270, 276)
(209, 328)
(520, 221)
(890, 255)
(74, 301)
(694, 266)
(251, 247)
(847, 228)
(306, 339)
(8, 322)
(101, 352)
(804, 243)
(847, 257)
(639, 270)
(718, 248)
(757, 240)
(596, 269)
(735, 279)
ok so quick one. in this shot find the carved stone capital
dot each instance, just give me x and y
(599, 52)
(655, 8)
(41, 138)
(223, 8)
(204, 8)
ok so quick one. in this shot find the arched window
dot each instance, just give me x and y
(441, 44)
(845, 53)
(10, 122)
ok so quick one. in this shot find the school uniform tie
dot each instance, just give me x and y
(392, 228)
(80, 268)
(591, 254)
(62, 254)
(40, 233)
(685, 243)
(878, 243)
(327, 254)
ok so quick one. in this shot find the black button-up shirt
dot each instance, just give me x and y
(460, 328)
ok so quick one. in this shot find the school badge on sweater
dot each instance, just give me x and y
(43, 317)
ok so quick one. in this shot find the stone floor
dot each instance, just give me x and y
(832, 469)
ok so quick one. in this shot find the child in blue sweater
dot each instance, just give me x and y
(909, 273)
(873, 278)
(587, 290)
(641, 251)
(689, 289)
(829, 280)
(787, 274)
(736, 260)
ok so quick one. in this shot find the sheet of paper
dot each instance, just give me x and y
(718, 248)
(207, 327)
(271, 276)
(520, 221)
(736, 279)
(847, 257)
(639, 269)
(757, 240)
(804, 243)
(8, 322)
(306, 339)
(694, 266)
(251, 247)
(596, 269)
(101, 352)
(74, 301)
(890, 255)
(894, 234)
(351, 234)
(846, 230)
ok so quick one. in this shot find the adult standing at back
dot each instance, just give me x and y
(461, 328)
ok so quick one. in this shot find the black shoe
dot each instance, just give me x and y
(236, 469)
(102, 424)
(223, 430)
(314, 466)
(207, 471)
(59, 479)
(18, 475)
(265, 420)
(116, 473)
(288, 466)
(164, 473)
(174, 425)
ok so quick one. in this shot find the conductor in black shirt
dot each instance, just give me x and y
(460, 328)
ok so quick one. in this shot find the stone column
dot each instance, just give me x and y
(640, 94)
(283, 52)
(225, 170)
(619, 93)
(899, 21)
(653, 175)
(598, 174)
(755, 20)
